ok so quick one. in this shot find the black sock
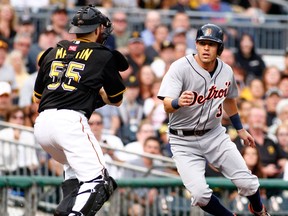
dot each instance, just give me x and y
(214, 207)
(255, 201)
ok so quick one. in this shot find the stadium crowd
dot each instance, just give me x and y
(263, 89)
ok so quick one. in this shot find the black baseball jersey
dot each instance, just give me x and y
(71, 75)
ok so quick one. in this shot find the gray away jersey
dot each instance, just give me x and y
(209, 92)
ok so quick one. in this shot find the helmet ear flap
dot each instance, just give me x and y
(220, 49)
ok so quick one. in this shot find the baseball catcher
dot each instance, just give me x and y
(74, 79)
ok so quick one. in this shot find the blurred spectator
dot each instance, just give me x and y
(182, 6)
(23, 42)
(252, 158)
(26, 92)
(285, 71)
(257, 92)
(281, 114)
(282, 137)
(152, 20)
(166, 57)
(124, 3)
(248, 58)
(160, 34)
(151, 4)
(27, 26)
(154, 108)
(136, 209)
(111, 119)
(179, 35)
(271, 77)
(5, 99)
(15, 58)
(180, 50)
(164, 139)
(181, 20)
(272, 98)
(271, 155)
(121, 32)
(145, 130)
(166, 4)
(228, 57)
(8, 23)
(146, 77)
(216, 6)
(244, 107)
(136, 53)
(254, 92)
(33, 5)
(142, 196)
(243, 4)
(31, 113)
(283, 86)
(131, 111)
(7, 72)
(96, 124)
(59, 22)
(26, 161)
(269, 7)
(47, 38)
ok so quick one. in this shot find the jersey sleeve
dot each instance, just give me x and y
(233, 90)
(113, 83)
(171, 85)
(39, 84)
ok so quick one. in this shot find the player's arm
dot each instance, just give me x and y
(168, 105)
(230, 107)
(38, 87)
(173, 104)
(113, 88)
(117, 101)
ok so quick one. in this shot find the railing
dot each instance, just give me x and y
(171, 199)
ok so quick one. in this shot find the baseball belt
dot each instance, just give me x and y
(188, 132)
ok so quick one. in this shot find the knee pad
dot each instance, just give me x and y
(70, 190)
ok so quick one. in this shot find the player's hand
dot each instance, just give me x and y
(186, 98)
(246, 137)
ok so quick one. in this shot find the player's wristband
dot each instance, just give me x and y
(236, 122)
(175, 104)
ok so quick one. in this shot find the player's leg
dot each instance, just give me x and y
(233, 166)
(191, 167)
(71, 134)
(85, 157)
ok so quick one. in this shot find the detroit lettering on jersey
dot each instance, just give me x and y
(213, 93)
(82, 54)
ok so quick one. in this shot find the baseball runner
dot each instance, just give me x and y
(75, 78)
(195, 91)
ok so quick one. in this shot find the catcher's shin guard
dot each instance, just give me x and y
(99, 195)
(103, 189)
(70, 190)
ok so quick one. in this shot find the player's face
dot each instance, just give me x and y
(207, 51)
